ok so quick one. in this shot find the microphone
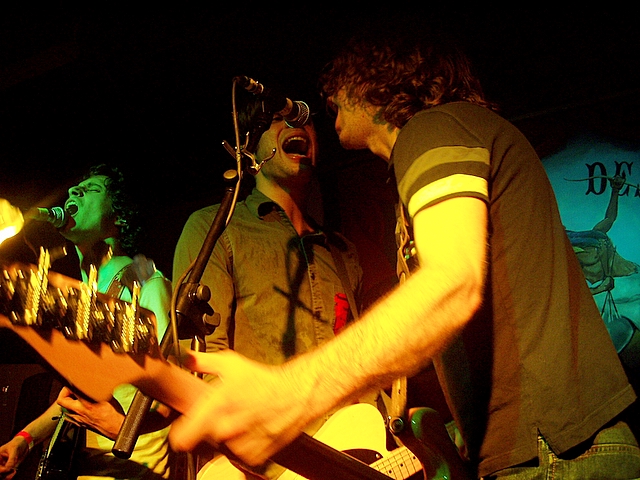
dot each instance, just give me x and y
(295, 113)
(56, 216)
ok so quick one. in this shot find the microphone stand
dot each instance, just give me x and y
(191, 306)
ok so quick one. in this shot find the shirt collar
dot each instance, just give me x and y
(259, 204)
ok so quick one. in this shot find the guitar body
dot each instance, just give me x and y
(429, 439)
(57, 461)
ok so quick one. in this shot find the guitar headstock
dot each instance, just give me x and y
(32, 296)
(94, 341)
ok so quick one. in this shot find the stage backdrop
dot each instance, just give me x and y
(596, 183)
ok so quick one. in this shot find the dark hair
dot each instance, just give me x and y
(403, 73)
(248, 107)
(122, 204)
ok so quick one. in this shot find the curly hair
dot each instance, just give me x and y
(402, 74)
(122, 205)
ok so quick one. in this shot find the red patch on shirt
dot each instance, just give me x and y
(342, 311)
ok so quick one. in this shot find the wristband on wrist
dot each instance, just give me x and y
(28, 438)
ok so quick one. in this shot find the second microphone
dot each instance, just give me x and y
(295, 113)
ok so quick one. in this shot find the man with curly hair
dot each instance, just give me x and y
(498, 303)
(102, 227)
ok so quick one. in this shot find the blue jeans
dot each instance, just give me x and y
(614, 454)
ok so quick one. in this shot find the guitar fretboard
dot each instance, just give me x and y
(401, 464)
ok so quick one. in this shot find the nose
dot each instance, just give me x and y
(75, 191)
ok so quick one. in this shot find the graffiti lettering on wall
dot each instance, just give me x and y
(597, 179)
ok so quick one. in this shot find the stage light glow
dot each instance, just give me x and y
(11, 220)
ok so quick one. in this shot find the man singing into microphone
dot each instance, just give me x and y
(100, 222)
(273, 276)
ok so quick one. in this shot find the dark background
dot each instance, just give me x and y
(149, 88)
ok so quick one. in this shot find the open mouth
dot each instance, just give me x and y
(71, 207)
(296, 146)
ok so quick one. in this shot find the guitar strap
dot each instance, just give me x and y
(407, 261)
(116, 287)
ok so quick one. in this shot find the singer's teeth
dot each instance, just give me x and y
(296, 145)
(71, 208)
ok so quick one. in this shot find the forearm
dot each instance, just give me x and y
(434, 311)
(38, 430)
(43, 427)
(406, 329)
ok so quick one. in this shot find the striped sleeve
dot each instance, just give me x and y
(445, 172)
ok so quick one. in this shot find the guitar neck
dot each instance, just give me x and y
(315, 460)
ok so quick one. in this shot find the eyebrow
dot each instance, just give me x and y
(91, 184)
